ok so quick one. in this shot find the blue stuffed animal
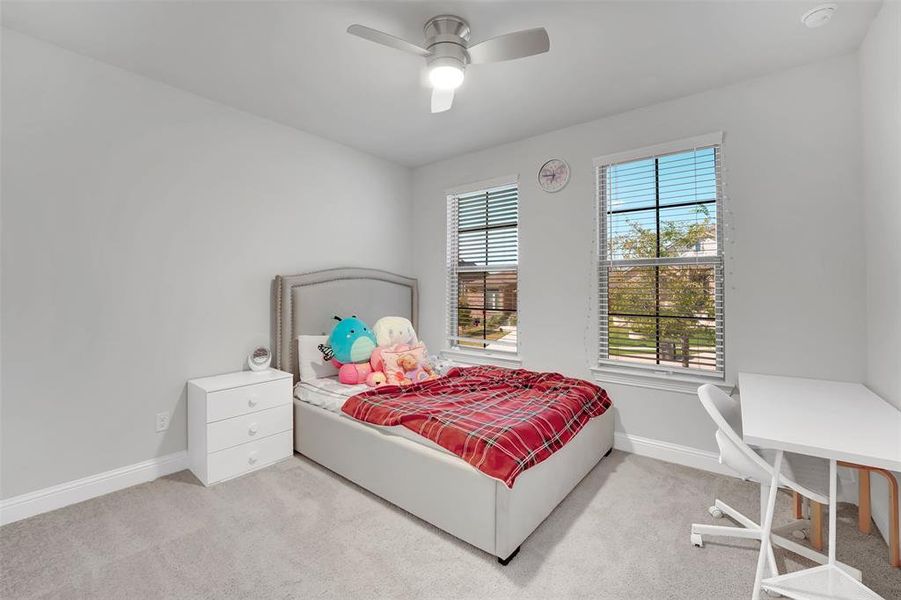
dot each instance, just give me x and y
(349, 347)
(351, 341)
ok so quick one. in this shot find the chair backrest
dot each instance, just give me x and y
(741, 458)
(734, 452)
(722, 408)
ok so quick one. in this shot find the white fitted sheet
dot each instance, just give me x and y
(328, 393)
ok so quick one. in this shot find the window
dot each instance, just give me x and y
(660, 266)
(483, 257)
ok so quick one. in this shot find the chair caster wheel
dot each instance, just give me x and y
(799, 534)
(715, 512)
(696, 540)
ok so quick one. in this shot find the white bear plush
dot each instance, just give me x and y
(390, 331)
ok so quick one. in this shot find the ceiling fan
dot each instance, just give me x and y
(447, 51)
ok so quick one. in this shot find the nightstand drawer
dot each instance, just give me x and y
(246, 399)
(232, 462)
(246, 428)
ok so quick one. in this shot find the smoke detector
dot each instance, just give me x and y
(819, 16)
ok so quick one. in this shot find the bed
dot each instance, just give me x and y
(395, 464)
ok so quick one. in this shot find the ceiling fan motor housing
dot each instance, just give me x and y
(447, 51)
(446, 38)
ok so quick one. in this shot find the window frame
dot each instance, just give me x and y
(467, 354)
(661, 376)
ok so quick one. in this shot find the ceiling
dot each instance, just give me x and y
(292, 62)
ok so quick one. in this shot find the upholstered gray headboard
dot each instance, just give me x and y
(305, 304)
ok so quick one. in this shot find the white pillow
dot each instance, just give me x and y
(310, 363)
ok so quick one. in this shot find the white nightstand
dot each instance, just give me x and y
(239, 422)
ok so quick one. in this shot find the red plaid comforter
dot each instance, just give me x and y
(500, 421)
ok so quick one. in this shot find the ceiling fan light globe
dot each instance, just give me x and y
(446, 75)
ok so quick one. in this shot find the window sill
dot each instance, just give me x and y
(657, 379)
(471, 357)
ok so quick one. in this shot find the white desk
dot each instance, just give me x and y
(833, 420)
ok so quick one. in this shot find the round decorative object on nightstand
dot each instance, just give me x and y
(553, 175)
(259, 359)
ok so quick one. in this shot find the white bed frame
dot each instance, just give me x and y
(433, 485)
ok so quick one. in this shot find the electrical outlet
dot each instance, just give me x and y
(162, 421)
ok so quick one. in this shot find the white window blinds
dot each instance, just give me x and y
(660, 259)
(483, 257)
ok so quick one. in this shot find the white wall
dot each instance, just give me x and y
(880, 74)
(880, 78)
(141, 229)
(795, 292)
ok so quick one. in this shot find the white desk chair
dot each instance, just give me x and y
(806, 475)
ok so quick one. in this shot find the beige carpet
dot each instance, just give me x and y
(296, 530)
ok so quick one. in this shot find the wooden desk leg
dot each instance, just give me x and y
(816, 526)
(863, 520)
(799, 509)
(894, 543)
(863, 504)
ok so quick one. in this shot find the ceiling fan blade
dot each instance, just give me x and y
(380, 37)
(510, 46)
(442, 100)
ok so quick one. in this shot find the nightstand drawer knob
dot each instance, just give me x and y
(252, 430)
(252, 459)
(251, 402)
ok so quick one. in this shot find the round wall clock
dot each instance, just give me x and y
(553, 175)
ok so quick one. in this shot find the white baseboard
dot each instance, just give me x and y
(57, 496)
(669, 452)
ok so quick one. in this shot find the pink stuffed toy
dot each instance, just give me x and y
(352, 373)
(370, 373)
